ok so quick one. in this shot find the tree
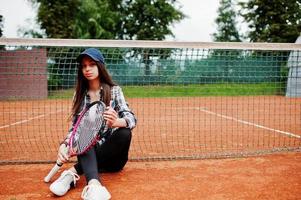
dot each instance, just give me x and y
(149, 19)
(57, 17)
(272, 21)
(108, 19)
(226, 23)
(98, 19)
(111, 19)
(226, 32)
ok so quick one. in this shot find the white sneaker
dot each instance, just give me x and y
(62, 184)
(95, 192)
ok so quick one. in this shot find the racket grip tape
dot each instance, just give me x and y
(53, 171)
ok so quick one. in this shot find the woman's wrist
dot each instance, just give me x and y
(120, 122)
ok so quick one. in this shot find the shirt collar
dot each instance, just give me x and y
(88, 98)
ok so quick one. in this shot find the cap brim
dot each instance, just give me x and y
(80, 57)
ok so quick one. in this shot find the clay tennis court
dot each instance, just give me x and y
(213, 147)
(266, 177)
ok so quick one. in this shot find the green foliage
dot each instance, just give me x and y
(198, 90)
(62, 66)
(98, 19)
(232, 67)
(54, 79)
(149, 19)
(226, 23)
(229, 66)
(54, 82)
(57, 17)
(272, 21)
(284, 73)
(191, 90)
(213, 90)
(108, 19)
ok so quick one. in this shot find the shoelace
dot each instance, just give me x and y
(89, 189)
(85, 193)
(75, 177)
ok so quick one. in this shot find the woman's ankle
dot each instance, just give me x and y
(94, 181)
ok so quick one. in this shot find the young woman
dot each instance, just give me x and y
(94, 83)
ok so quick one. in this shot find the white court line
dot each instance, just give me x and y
(29, 119)
(248, 123)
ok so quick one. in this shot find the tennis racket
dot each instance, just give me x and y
(89, 129)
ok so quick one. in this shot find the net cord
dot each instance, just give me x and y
(147, 44)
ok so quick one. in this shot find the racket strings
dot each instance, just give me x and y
(87, 131)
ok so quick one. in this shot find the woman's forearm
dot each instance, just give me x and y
(120, 122)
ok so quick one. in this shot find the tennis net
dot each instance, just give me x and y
(192, 100)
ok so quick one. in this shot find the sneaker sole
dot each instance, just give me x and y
(56, 193)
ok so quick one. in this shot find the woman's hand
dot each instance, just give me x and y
(110, 115)
(63, 153)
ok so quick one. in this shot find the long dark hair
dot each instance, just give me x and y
(82, 86)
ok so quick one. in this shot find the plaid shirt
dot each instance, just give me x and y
(121, 107)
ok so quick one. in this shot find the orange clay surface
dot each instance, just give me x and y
(275, 176)
(167, 127)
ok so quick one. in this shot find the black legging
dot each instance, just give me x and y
(111, 156)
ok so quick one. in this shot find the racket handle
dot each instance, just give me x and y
(53, 171)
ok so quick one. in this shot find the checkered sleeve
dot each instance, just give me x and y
(122, 108)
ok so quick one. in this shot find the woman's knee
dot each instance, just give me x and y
(116, 165)
(123, 135)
